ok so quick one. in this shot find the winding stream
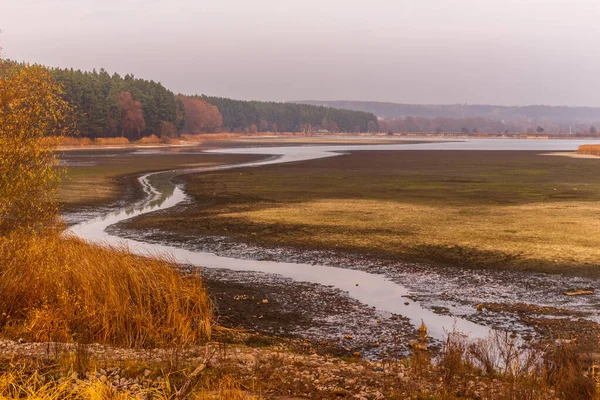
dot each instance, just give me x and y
(371, 289)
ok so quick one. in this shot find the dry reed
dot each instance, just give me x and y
(590, 149)
(152, 139)
(111, 141)
(67, 141)
(63, 289)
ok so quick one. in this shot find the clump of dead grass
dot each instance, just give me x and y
(200, 137)
(498, 367)
(152, 139)
(591, 149)
(170, 140)
(111, 141)
(56, 379)
(66, 141)
(63, 289)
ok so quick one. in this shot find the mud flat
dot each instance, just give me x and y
(439, 291)
(572, 155)
(509, 210)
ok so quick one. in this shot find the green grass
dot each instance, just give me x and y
(516, 210)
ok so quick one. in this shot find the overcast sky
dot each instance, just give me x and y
(511, 52)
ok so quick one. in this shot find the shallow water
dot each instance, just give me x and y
(371, 289)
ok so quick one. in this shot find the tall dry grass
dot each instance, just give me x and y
(19, 383)
(499, 367)
(63, 289)
(200, 137)
(66, 141)
(591, 149)
(71, 141)
(152, 139)
(111, 141)
(16, 384)
(170, 140)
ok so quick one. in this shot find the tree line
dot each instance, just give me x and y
(111, 105)
(262, 116)
(108, 105)
(535, 114)
(475, 125)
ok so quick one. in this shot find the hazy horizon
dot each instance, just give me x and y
(528, 52)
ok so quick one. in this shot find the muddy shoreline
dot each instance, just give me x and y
(322, 318)
(531, 305)
(339, 324)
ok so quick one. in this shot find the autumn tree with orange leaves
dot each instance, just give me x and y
(167, 130)
(200, 117)
(132, 115)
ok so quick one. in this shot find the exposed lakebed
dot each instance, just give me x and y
(352, 300)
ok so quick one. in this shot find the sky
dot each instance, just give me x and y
(505, 52)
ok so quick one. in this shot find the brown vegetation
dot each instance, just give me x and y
(92, 181)
(66, 141)
(200, 117)
(132, 116)
(202, 137)
(167, 130)
(152, 139)
(111, 141)
(496, 369)
(57, 289)
(74, 141)
(590, 149)
(489, 209)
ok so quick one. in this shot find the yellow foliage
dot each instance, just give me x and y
(31, 107)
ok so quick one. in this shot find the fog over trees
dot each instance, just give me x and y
(462, 118)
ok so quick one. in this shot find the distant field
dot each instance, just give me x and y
(99, 177)
(512, 210)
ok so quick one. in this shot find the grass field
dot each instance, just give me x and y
(514, 210)
(97, 177)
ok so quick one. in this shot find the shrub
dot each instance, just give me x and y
(170, 140)
(591, 149)
(152, 139)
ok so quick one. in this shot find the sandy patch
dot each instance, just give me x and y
(570, 154)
